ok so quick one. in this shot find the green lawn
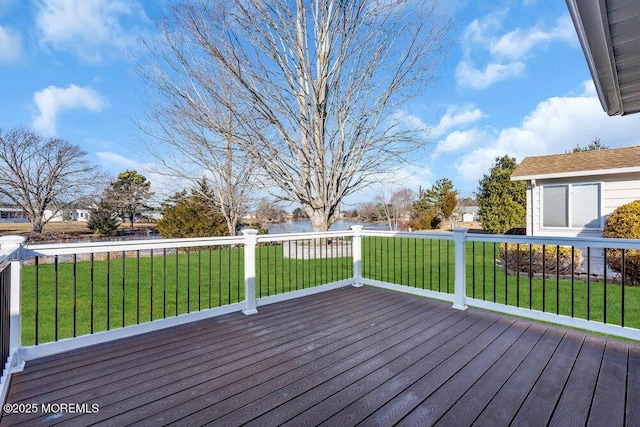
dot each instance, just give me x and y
(429, 264)
(136, 288)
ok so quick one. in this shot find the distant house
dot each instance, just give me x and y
(12, 214)
(470, 213)
(74, 214)
(572, 194)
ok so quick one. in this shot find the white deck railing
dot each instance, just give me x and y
(65, 296)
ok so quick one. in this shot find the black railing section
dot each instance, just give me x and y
(418, 262)
(290, 265)
(5, 315)
(599, 284)
(65, 296)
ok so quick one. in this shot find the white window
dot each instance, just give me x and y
(571, 206)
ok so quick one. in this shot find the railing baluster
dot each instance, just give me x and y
(210, 279)
(108, 290)
(122, 290)
(151, 284)
(604, 293)
(75, 294)
(91, 278)
(439, 265)
(589, 283)
(484, 271)
(430, 264)
(219, 251)
(517, 274)
(557, 279)
(573, 268)
(495, 272)
(473, 269)
(176, 282)
(622, 286)
(56, 297)
(37, 293)
(188, 280)
(506, 274)
(228, 249)
(138, 286)
(164, 282)
(544, 277)
(240, 261)
(530, 276)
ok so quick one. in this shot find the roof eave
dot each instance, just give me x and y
(592, 27)
(597, 172)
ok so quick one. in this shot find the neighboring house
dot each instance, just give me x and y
(470, 213)
(572, 194)
(76, 214)
(12, 214)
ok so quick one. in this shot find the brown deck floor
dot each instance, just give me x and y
(353, 356)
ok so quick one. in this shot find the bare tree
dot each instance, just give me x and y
(313, 87)
(396, 207)
(38, 174)
(192, 137)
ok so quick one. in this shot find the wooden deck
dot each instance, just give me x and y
(345, 357)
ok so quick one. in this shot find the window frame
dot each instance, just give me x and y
(569, 211)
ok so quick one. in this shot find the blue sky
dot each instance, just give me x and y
(515, 82)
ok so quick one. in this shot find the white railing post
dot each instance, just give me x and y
(11, 245)
(356, 251)
(250, 240)
(460, 252)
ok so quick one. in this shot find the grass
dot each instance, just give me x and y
(428, 264)
(73, 299)
(135, 288)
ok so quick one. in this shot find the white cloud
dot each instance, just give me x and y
(53, 100)
(10, 45)
(518, 43)
(458, 141)
(86, 28)
(556, 125)
(506, 53)
(478, 33)
(469, 76)
(457, 116)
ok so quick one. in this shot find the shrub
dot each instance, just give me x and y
(517, 259)
(624, 223)
(103, 219)
(192, 216)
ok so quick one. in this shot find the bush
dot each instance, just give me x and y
(192, 216)
(624, 223)
(517, 259)
(103, 219)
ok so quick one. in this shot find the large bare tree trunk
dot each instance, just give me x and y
(314, 87)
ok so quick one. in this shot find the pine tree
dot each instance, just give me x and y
(502, 201)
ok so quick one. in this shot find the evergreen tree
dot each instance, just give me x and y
(502, 201)
(194, 215)
(435, 204)
(103, 219)
(595, 145)
(129, 194)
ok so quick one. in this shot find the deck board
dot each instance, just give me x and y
(342, 357)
